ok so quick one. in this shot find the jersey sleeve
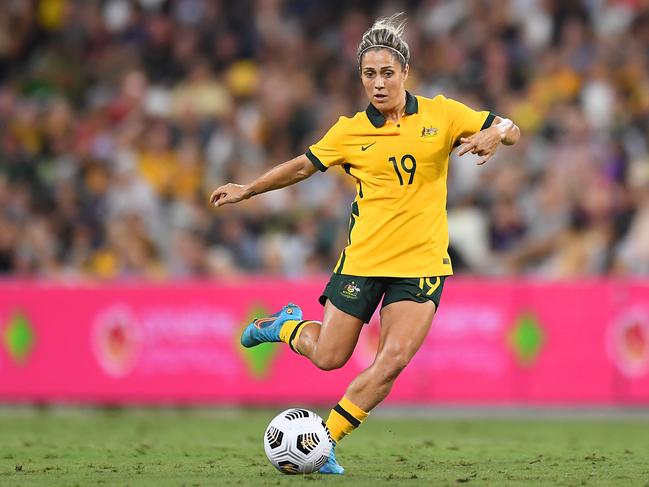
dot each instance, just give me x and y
(464, 121)
(328, 151)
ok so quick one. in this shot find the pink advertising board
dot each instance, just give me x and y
(493, 342)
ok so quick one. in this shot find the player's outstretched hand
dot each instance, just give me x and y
(228, 193)
(483, 143)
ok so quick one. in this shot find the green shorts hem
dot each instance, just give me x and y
(405, 290)
(345, 307)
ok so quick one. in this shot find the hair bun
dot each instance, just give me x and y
(386, 32)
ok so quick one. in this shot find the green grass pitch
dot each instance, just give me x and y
(224, 447)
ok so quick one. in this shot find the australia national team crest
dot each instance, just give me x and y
(428, 131)
(351, 290)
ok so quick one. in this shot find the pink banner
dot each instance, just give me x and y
(492, 342)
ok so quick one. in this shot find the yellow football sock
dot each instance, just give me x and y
(344, 418)
(290, 332)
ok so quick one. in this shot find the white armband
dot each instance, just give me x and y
(503, 126)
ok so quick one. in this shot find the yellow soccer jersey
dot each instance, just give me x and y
(398, 225)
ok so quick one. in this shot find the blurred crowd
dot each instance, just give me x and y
(118, 118)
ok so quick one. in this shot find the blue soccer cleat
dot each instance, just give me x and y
(264, 330)
(332, 467)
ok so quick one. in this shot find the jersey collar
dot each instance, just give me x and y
(377, 118)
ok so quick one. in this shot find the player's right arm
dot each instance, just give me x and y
(287, 173)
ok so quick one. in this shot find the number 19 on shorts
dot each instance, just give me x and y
(408, 166)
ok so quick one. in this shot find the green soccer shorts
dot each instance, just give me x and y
(359, 296)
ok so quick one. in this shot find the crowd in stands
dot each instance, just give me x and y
(118, 118)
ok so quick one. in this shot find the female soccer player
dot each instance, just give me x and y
(397, 251)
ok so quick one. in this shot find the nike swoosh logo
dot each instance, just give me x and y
(260, 322)
(367, 146)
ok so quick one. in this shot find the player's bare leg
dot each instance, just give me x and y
(330, 344)
(404, 326)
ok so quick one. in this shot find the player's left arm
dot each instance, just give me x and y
(485, 142)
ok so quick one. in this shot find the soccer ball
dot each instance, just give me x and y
(297, 441)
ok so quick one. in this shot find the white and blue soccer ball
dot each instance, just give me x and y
(297, 441)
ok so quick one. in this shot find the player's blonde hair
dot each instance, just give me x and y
(386, 33)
